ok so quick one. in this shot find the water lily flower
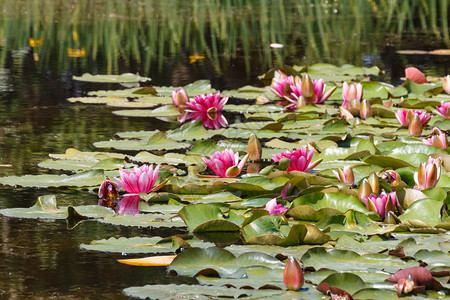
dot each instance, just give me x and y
(356, 108)
(438, 139)
(364, 189)
(207, 103)
(428, 174)
(300, 159)
(446, 84)
(444, 109)
(345, 176)
(351, 92)
(180, 97)
(405, 116)
(226, 163)
(275, 209)
(109, 190)
(415, 75)
(129, 204)
(293, 275)
(213, 120)
(281, 84)
(392, 178)
(140, 180)
(308, 91)
(382, 203)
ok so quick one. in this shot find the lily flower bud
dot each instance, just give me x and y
(415, 127)
(392, 178)
(374, 183)
(446, 84)
(180, 97)
(307, 86)
(109, 191)
(254, 149)
(345, 176)
(428, 174)
(366, 110)
(438, 139)
(293, 275)
(364, 190)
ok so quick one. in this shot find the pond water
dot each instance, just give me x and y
(44, 43)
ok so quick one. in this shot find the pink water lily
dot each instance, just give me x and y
(180, 97)
(300, 159)
(405, 116)
(281, 84)
(428, 174)
(345, 176)
(109, 190)
(211, 103)
(351, 92)
(213, 121)
(438, 139)
(226, 163)
(307, 91)
(444, 109)
(275, 209)
(382, 203)
(140, 180)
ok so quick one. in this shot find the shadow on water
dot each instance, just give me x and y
(44, 42)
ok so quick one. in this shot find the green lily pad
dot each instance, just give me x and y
(79, 180)
(193, 261)
(143, 220)
(426, 210)
(348, 282)
(123, 78)
(206, 218)
(338, 201)
(344, 260)
(173, 291)
(159, 141)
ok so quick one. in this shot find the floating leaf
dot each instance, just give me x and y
(123, 78)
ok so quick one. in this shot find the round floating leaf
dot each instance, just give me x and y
(173, 291)
(344, 260)
(44, 208)
(143, 220)
(347, 281)
(426, 210)
(163, 111)
(386, 161)
(158, 141)
(82, 179)
(339, 201)
(122, 78)
(374, 293)
(308, 213)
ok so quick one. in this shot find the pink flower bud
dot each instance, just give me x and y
(293, 275)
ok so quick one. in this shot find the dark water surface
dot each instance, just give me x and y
(42, 259)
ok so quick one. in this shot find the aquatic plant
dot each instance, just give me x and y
(382, 203)
(139, 180)
(226, 163)
(428, 174)
(300, 159)
(211, 103)
(273, 208)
